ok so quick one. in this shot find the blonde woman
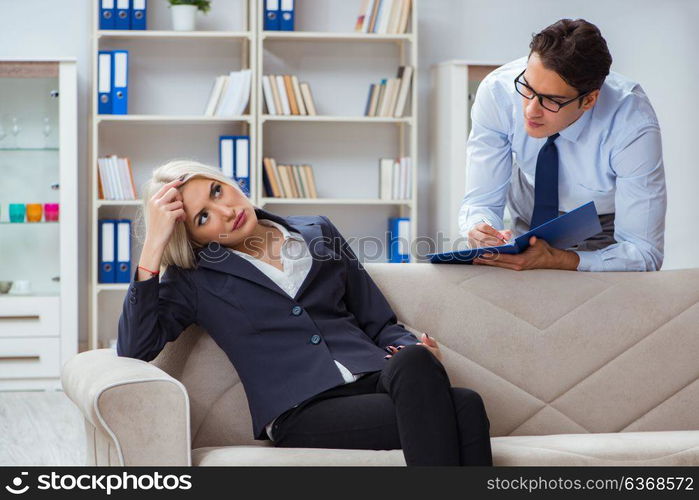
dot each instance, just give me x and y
(316, 345)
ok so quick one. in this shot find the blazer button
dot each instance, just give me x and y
(132, 290)
(132, 300)
(297, 310)
(315, 339)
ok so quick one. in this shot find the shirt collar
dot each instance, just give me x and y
(572, 132)
(285, 232)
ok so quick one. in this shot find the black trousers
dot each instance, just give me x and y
(409, 404)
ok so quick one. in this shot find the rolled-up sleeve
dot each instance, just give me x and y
(640, 207)
(488, 161)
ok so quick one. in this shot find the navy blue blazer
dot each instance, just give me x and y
(283, 348)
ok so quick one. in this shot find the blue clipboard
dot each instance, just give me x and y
(562, 232)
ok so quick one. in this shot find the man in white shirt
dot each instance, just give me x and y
(553, 131)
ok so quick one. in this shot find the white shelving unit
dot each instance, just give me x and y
(39, 331)
(327, 56)
(454, 85)
(170, 77)
(323, 50)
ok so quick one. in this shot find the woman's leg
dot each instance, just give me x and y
(421, 393)
(474, 427)
(352, 416)
(414, 409)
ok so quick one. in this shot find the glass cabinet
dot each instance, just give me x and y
(38, 221)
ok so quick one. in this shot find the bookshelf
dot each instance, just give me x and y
(324, 50)
(339, 64)
(170, 77)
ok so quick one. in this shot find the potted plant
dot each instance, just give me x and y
(184, 13)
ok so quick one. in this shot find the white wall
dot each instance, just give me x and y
(651, 41)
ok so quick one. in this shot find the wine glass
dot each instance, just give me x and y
(3, 132)
(46, 131)
(16, 129)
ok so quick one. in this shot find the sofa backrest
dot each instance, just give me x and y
(550, 352)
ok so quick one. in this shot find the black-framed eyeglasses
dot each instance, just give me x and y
(546, 102)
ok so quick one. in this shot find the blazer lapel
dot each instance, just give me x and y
(219, 258)
(318, 248)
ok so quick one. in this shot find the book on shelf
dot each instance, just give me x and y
(395, 178)
(230, 94)
(388, 17)
(308, 98)
(291, 95)
(390, 97)
(285, 95)
(288, 181)
(115, 179)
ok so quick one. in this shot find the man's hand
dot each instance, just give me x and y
(539, 255)
(483, 235)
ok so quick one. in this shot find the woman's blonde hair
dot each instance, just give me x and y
(181, 249)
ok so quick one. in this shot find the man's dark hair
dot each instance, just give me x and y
(576, 51)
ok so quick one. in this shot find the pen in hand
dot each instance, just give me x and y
(504, 240)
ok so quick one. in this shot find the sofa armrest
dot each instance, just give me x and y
(141, 408)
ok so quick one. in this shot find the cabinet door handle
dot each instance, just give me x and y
(20, 358)
(26, 317)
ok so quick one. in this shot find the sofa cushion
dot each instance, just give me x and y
(270, 456)
(624, 448)
(618, 448)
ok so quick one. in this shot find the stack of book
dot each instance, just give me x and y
(230, 94)
(389, 98)
(115, 179)
(284, 95)
(383, 16)
(395, 178)
(288, 181)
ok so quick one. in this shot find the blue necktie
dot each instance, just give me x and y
(546, 184)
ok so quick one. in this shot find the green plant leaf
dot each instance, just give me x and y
(202, 5)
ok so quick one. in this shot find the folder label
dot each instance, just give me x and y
(227, 157)
(120, 59)
(123, 251)
(403, 236)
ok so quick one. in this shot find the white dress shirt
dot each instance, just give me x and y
(296, 261)
(611, 155)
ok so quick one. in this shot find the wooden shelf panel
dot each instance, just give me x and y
(333, 201)
(173, 35)
(334, 36)
(173, 119)
(118, 203)
(340, 119)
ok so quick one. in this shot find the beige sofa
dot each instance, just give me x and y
(574, 369)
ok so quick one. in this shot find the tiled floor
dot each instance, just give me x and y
(40, 428)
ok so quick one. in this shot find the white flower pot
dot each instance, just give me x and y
(184, 17)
